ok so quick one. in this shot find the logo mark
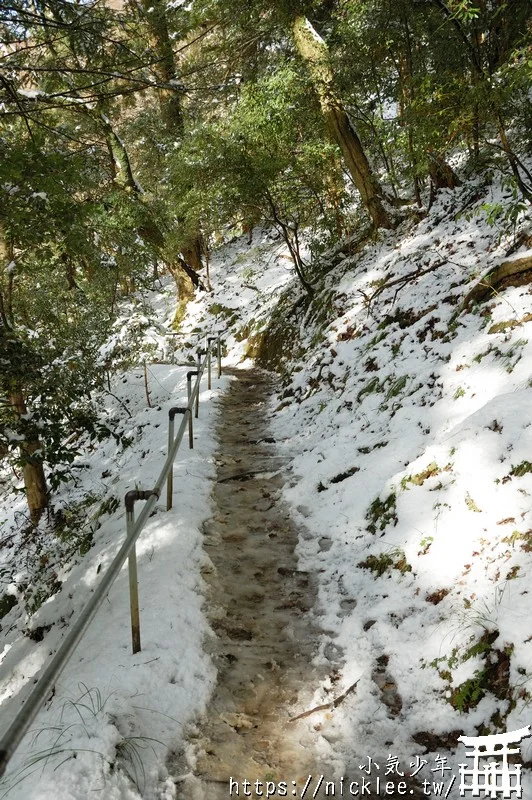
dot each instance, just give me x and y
(496, 777)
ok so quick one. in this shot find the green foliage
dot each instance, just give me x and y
(229, 315)
(72, 243)
(491, 676)
(469, 693)
(511, 357)
(521, 469)
(425, 544)
(504, 213)
(266, 158)
(419, 478)
(372, 386)
(396, 386)
(382, 513)
(470, 503)
(392, 559)
(74, 525)
(426, 78)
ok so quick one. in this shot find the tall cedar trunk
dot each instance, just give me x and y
(192, 253)
(441, 173)
(406, 75)
(35, 486)
(169, 98)
(172, 115)
(7, 256)
(183, 285)
(33, 471)
(315, 54)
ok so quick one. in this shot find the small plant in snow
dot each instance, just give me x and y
(506, 212)
(394, 558)
(86, 725)
(382, 513)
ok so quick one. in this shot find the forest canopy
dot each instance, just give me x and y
(134, 135)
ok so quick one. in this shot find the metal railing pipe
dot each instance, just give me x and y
(210, 340)
(199, 373)
(44, 685)
(130, 499)
(190, 406)
(175, 446)
(133, 590)
(193, 400)
(42, 688)
(170, 480)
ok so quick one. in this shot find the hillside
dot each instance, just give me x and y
(339, 193)
(401, 419)
(403, 414)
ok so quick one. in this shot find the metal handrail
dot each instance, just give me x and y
(16, 731)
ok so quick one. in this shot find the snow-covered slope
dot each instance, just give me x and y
(411, 433)
(406, 420)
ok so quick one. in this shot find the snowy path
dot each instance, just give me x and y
(257, 602)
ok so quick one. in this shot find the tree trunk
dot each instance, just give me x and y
(315, 54)
(165, 67)
(185, 291)
(515, 163)
(192, 259)
(206, 253)
(406, 77)
(170, 105)
(441, 174)
(33, 471)
(7, 258)
(192, 253)
(120, 164)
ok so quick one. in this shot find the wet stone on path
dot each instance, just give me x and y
(257, 603)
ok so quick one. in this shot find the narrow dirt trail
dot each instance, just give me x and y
(257, 604)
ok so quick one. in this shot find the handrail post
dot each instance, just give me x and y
(198, 373)
(170, 480)
(210, 340)
(219, 355)
(189, 395)
(130, 499)
(133, 591)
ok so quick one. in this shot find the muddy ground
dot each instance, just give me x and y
(258, 604)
